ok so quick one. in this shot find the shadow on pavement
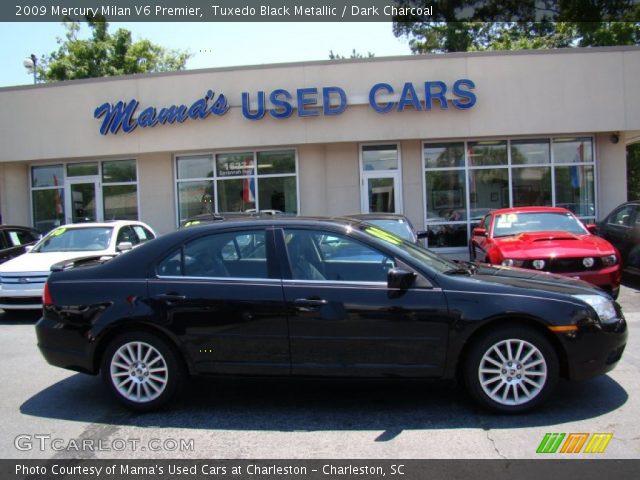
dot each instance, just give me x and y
(319, 405)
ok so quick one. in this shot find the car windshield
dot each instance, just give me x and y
(507, 224)
(66, 239)
(398, 227)
(418, 253)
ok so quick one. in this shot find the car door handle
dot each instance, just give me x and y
(309, 303)
(169, 297)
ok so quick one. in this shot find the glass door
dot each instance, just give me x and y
(381, 179)
(83, 196)
(381, 193)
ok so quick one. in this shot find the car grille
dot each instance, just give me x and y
(17, 301)
(23, 279)
(566, 265)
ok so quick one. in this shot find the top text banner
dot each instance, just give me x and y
(210, 10)
(318, 10)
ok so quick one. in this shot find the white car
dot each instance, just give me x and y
(22, 278)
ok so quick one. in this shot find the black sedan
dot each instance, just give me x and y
(622, 229)
(321, 297)
(14, 240)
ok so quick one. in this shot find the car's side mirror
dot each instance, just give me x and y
(124, 246)
(420, 234)
(479, 232)
(592, 228)
(28, 248)
(399, 279)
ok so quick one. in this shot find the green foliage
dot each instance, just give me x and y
(105, 55)
(354, 54)
(633, 172)
(462, 25)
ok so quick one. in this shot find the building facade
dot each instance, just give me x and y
(442, 139)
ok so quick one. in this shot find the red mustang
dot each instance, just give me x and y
(549, 239)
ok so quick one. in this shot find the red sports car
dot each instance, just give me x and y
(550, 239)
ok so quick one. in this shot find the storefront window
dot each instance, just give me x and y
(379, 157)
(47, 176)
(531, 186)
(438, 155)
(278, 193)
(236, 184)
(447, 195)
(503, 173)
(195, 167)
(82, 169)
(487, 153)
(572, 150)
(488, 189)
(575, 189)
(119, 190)
(530, 152)
(119, 171)
(279, 161)
(234, 164)
(48, 208)
(120, 202)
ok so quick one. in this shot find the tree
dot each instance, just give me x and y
(467, 25)
(354, 54)
(105, 54)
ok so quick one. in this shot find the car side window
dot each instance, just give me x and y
(126, 234)
(316, 255)
(142, 233)
(229, 255)
(621, 217)
(20, 237)
(171, 266)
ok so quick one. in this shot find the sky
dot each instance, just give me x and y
(213, 44)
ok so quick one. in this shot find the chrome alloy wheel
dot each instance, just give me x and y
(139, 372)
(512, 372)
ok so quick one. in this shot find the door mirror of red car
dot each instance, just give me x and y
(592, 227)
(479, 232)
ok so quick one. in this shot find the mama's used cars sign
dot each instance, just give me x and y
(281, 103)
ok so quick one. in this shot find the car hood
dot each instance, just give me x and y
(42, 262)
(553, 244)
(530, 280)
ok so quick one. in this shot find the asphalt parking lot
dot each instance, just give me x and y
(51, 413)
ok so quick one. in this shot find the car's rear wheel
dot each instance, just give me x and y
(141, 370)
(511, 370)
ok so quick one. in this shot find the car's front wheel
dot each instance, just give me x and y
(141, 370)
(511, 370)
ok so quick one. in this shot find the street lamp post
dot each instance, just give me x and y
(31, 63)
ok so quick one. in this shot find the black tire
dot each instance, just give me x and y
(541, 368)
(147, 392)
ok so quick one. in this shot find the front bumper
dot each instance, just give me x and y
(608, 278)
(595, 349)
(16, 295)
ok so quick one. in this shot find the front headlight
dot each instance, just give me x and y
(510, 262)
(603, 306)
(609, 260)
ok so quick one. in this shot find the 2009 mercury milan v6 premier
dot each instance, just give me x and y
(322, 297)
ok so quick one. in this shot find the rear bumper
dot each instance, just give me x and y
(64, 347)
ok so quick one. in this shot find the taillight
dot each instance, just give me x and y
(47, 299)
